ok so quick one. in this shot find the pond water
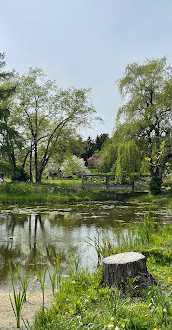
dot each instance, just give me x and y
(37, 235)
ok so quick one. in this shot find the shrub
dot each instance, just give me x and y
(155, 185)
(19, 174)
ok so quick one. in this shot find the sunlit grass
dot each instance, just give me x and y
(163, 199)
(82, 302)
(56, 192)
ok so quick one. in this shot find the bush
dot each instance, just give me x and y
(19, 174)
(155, 185)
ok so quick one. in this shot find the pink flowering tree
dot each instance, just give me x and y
(95, 162)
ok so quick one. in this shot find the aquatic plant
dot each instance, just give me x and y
(41, 275)
(82, 302)
(55, 277)
(23, 281)
(19, 297)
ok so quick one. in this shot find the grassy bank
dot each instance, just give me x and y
(82, 302)
(61, 191)
(164, 198)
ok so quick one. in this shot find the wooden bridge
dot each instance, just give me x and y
(107, 182)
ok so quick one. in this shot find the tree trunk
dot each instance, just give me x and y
(36, 161)
(119, 268)
(13, 159)
(30, 165)
(40, 176)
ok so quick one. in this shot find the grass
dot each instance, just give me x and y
(19, 296)
(46, 193)
(82, 302)
(41, 278)
(163, 199)
(65, 191)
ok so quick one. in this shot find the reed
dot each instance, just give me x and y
(41, 275)
(23, 281)
(19, 297)
(136, 237)
(55, 276)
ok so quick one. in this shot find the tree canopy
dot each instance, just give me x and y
(146, 115)
(44, 112)
(10, 138)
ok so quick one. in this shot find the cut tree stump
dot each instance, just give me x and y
(119, 268)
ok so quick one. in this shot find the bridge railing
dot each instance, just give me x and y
(108, 182)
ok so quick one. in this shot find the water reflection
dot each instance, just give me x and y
(38, 237)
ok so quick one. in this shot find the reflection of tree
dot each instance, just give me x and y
(8, 255)
(13, 221)
(100, 218)
(48, 253)
(10, 250)
(24, 249)
(36, 239)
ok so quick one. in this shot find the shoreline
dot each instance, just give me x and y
(30, 308)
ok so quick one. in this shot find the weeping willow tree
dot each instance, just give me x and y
(129, 161)
(147, 116)
(108, 154)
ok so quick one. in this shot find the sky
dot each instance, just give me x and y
(86, 43)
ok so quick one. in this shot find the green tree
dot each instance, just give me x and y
(128, 161)
(123, 155)
(44, 111)
(89, 147)
(147, 113)
(10, 139)
(69, 144)
(100, 139)
(109, 154)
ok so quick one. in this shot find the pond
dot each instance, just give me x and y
(33, 235)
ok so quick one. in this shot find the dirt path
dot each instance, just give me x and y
(30, 307)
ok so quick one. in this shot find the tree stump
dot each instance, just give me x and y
(119, 268)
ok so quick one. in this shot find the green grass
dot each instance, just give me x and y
(82, 302)
(163, 199)
(64, 191)
(56, 192)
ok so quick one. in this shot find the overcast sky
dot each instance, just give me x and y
(86, 43)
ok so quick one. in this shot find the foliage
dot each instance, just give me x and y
(147, 112)
(10, 138)
(82, 302)
(109, 154)
(44, 112)
(19, 174)
(100, 140)
(123, 156)
(55, 277)
(91, 146)
(155, 185)
(128, 160)
(136, 238)
(20, 295)
(74, 165)
(5, 167)
(41, 275)
(95, 161)
(24, 282)
(54, 192)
